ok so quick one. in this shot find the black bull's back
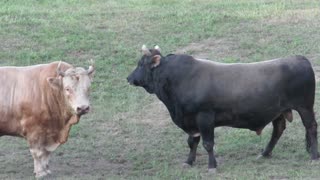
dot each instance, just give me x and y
(201, 95)
(241, 95)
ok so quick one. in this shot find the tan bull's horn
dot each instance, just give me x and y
(91, 67)
(145, 50)
(59, 72)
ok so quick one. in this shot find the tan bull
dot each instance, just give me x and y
(40, 103)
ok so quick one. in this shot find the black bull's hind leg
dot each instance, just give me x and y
(310, 125)
(205, 121)
(279, 125)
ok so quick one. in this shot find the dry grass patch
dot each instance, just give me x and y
(212, 47)
(317, 72)
(154, 114)
(295, 16)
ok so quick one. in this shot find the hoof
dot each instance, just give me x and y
(260, 156)
(212, 170)
(48, 171)
(186, 165)
(41, 174)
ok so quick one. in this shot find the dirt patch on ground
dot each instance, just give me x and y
(80, 54)
(295, 16)
(210, 47)
(82, 167)
(317, 72)
(13, 43)
(315, 61)
(155, 114)
(217, 49)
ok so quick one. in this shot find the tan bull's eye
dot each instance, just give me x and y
(67, 89)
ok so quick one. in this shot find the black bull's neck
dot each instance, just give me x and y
(164, 87)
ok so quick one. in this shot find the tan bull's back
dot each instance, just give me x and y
(23, 100)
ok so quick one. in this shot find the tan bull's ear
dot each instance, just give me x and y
(91, 74)
(55, 83)
(155, 61)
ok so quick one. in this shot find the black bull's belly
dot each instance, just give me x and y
(254, 122)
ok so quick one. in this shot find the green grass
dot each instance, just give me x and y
(129, 135)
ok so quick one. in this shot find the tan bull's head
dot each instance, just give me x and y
(75, 83)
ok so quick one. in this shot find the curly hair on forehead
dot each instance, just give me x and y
(76, 71)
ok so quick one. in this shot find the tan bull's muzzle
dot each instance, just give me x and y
(81, 110)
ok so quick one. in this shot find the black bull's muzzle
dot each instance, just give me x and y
(132, 81)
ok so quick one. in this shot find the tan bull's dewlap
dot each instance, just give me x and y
(64, 133)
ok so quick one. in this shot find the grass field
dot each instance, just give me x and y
(128, 134)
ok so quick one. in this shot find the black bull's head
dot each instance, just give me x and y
(142, 75)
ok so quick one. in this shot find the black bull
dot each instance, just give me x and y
(201, 95)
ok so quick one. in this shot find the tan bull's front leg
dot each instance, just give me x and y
(45, 162)
(41, 145)
(41, 160)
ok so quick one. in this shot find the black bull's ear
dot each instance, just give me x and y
(155, 61)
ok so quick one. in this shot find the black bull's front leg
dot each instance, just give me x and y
(205, 122)
(193, 144)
